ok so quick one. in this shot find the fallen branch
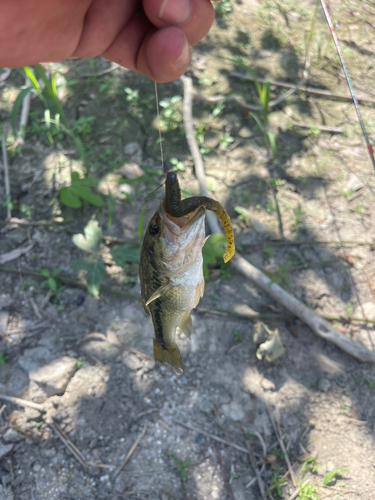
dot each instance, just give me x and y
(130, 452)
(15, 254)
(307, 90)
(319, 326)
(23, 402)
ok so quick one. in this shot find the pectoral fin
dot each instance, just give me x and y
(145, 307)
(186, 325)
(159, 292)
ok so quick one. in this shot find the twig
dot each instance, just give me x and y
(34, 223)
(24, 114)
(345, 492)
(225, 474)
(35, 309)
(23, 402)
(64, 438)
(358, 193)
(143, 414)
(307, 90)
(323, 128)
(2, 409)
(255, 467)
(130, 452)
(15, 254)
(212, 436)
(6, 173)
(276, 427)
(320, 327)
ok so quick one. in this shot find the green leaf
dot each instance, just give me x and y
(95, 273)
(186, 462)
(74, 176)
(123, 254)
(90, 241)
(52, 284)
(47, 118)
(16, 106)
(44, 284)
(45, 273)
(140, 224)
(86, 194)
(32, 79)
(68, 198)
(330, 475)
(213, 250)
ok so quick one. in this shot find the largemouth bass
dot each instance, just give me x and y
(171, 267)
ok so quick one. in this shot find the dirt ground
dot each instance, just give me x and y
(89, 362)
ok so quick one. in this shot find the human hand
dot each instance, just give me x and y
(152, 37)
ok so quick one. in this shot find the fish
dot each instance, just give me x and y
(171, 267)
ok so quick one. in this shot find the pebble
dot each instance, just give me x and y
(5, 449)
(324, 385)
(12, 436)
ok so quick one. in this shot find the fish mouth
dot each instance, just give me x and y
(180, 225)
(182, 239)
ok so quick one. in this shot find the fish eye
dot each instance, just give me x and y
(153, 229)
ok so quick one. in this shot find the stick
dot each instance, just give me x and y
(2, 409)
(6, 173)
(15, 254)
(23, 402)
(255, 467)
(225, 475)
(212, 436)
(307, 90)
(320, 327)
(64, 438)
(130, 452)
(276, 427)
(323, 128)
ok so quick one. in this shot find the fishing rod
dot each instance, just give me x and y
(356, 105)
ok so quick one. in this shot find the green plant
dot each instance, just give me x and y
(309, 464)
(370, 383)
(277, 481)
(9, 203)
(83, 125)
(25, 209)
(79, 362)
(268, 251)
(80, 190)
(279, 276)
(307, 491)
(349, 309)
(237, 336)
(25, 285)
(331, 475)
(278, 453)
(298, 214)
(244, 216)
(212, 251)
(181, 465)
(171, 114)
(223, 7)
(51, 280)
(132, 96)
(344, 407)
(3, 358)
(177, 165)
(225, 140)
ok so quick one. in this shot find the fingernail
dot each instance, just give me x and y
(184, 58)
(174, 11)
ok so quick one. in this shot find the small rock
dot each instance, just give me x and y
(133, 152)
(4, 315)
(17, 381)
(201, 439)
(5, 300)
(120, 483)
(17, 236)
(5, 449)
(131, 170)
(126, 188)
(354, 183)
(52, 375)
(5, 494)
(205, 405)
(324, 385)
(234, 411)
(12, 436)
(37, 467)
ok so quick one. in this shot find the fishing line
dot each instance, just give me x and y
(159, 128)
(356, 105)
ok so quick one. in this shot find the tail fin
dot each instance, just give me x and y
(170, 355)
